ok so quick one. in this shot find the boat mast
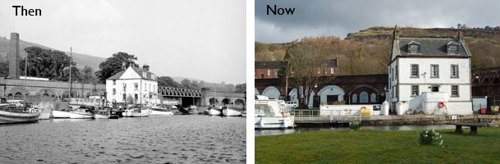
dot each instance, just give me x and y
(25, 77)
(70, 85)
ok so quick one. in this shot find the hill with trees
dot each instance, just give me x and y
(368, 51)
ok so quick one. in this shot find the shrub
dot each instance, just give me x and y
(354, 125)
(430, 137)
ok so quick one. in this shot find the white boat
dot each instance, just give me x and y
(101, 116)
(230, 112)
(272, 114)
(60, 114)
(127, 112)
(137, 112)
(81, 113)
(11, 114)
(44, 113)
(214, 112)
(157, 112)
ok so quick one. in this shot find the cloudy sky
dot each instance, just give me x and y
(190, 38)
(340, 17)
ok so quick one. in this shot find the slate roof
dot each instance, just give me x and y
(268, 64)
(277, 64)
(139, 71)
(435, 47)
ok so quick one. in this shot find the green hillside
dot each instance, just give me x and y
(368, 51)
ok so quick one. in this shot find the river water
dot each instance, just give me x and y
(172, 139)
(306, 129)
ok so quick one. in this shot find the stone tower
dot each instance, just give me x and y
(13, 56)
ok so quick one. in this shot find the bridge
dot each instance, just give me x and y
(203, 97)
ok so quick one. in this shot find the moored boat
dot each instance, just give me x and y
(272, 114)
(226, 111)
(45, 113)
(214, 112)
(138, 112)
(157, 112)
(10, 114)
(60, 114)
(82, 113)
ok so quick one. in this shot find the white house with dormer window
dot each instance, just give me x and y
(133, 85)
(429, 75)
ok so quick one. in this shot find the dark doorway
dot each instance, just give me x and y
(330, 99)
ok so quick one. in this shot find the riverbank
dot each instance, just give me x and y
(373, 146)
(391, 120)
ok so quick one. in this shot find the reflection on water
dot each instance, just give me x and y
(298, 130)
(175, 139)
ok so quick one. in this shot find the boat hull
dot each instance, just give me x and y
(161, 113)
(214, 112)
(142, 113)
(60, 114)
(12, 117)
(101, 116)
(274, 122)
(231, 112)
(81, 115)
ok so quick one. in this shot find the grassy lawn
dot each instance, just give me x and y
(371, 146)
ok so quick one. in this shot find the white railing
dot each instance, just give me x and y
(326, 115)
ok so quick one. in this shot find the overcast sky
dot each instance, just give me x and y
(340, 17)
(202, 39)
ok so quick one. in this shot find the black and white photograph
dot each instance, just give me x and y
(113, 81)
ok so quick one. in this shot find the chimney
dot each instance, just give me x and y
(145, 67)
(13, 56)
(460, 36)
(396, 32)
(124, 65)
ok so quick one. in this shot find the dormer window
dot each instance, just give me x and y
(414, 48)
(452, 48)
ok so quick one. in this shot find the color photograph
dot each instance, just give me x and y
(377, 81)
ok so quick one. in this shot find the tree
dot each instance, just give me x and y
(241, 88)
(188, 84)
(168, 82)
(4, 69)
(46, 63)
(87, 75)
(115, 64)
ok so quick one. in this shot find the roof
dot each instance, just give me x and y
(268, 64)
(277, 64)
(435, 47)
(144, 74)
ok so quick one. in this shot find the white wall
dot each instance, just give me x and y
(424, 65)
(326, 110)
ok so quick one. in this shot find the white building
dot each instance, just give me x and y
(430, 75)
(133, 85)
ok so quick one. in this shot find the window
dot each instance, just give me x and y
(124, 97)
(268, 72)
(454, 90)
(114, 82)
(454, 71)
(276, 72)
(261, 76)
(319, 71)
(452, 49)
(136, 86)
(354, 98)
(414, 70)
(434, 70)
(332, 70)
(136, 96)
(373, 98)
(414, 48)
(114, 91)
(414, 90)
(435, 88)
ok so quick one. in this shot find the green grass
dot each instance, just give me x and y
(371, 146)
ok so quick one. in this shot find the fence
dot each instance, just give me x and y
(326, 116)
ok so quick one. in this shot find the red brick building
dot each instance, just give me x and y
(270, 69)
